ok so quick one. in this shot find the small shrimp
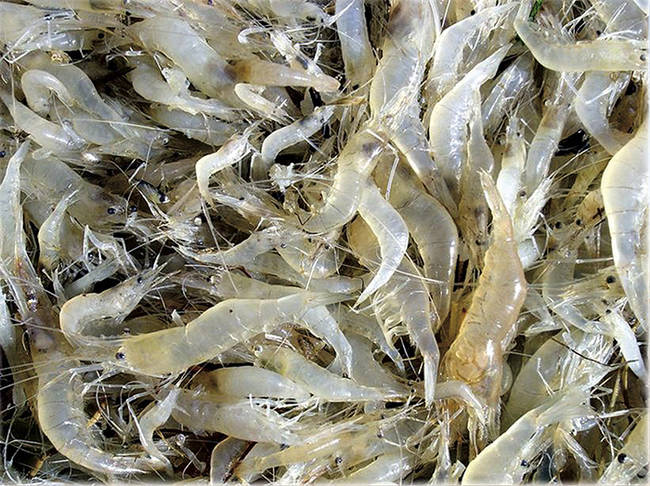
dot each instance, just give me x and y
(388, 468)
(355, 162)
(80, 314)
(37, 85)
(245, 381)
(230, 153)
(506, 460)
(631, 458)
(251, 96)
(206, 129)
(223, 458)
(597, 55)
(391, 233)
(242, 419)
(451, 115)
(153, 418)
(291, 134)
(216, 330)
(422, 212)
(57, 236)
(476, 355)
(356, 51)
(264, 73)
(624, 187)
(315, 379)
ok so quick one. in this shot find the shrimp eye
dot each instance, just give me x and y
(525, 463)
(133, 209)
(578, 222)
(241, 198)
(2, 153)
(610, 279)
(338, 460)
(621, 457)
(521, 194)
(100, 35)
(139, 280)
(558, 225)
(120, 355)
(473, 12)
(283, 245)
(111, 210)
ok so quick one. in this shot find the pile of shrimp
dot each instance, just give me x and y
(341, 241)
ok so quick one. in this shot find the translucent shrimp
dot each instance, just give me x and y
(404, 299)
(230, 153)
(450, 117)
(48, 135)
(506, 460)
(216, 330)
(153, 418)
(355, 162)
(291, 134)
(10, 211)
(37, 85)
(223, 458)
(242, 419)
(602, 54)
(251, 96)
(205, 129)
(79, 316)
(476, 355)
(624, 184)
(389, 467)
(176, 38)
(356, 51)
(315, 379)
(314, 257)
(57, 236)
(422, 212)
(244, 381)
(391, 233)
(173, 92)
(631, 458)
(264, 73)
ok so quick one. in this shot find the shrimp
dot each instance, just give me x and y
(57, 235)
(422, 212)
(230, 153)
(244, 381)
(223, 458)
(356, 51)
(216, 330)
(404, 299)
(251, 96)
(476, 355)
(450, 117)
(391, 233)
(37, 85)
(153, 418)
(79, 314)
(315, 379)
(205, 129)
(631, 458)
(506, 460)
(554, 53)
(291, 134)
(624, 184)
(242, 419)
(355, 162)
(264, 73)
(389, 467)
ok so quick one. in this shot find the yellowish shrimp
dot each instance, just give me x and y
(356, 51)
(624, 187)
(214, 331)
(631, 458)
(476, 355)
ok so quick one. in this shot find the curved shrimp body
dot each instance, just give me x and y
(57, 236)
(176, 39)
(476, 355)
(624, 188)
(215, 331)
(79, 313)
(355, 163)
(244, 381)
(312, 257)
(210, 412)
(632, 458)
(505, 461)
(451, 115)
(596, 55)
(403, 299)
(37, 85)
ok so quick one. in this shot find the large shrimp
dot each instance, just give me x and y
(476, 355)
(214, 331)
(624, 187)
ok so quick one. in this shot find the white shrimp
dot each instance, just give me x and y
(205, 129)
(450, 117)
(223, 457)
(216, 330)
(203, 411)
(552, 52)
(506, 460)
(356, 51)
(631, 458)
(315, 379)
(251, 96)
(391, 233)
(624, 187)
(54, 235)
(156, 416)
